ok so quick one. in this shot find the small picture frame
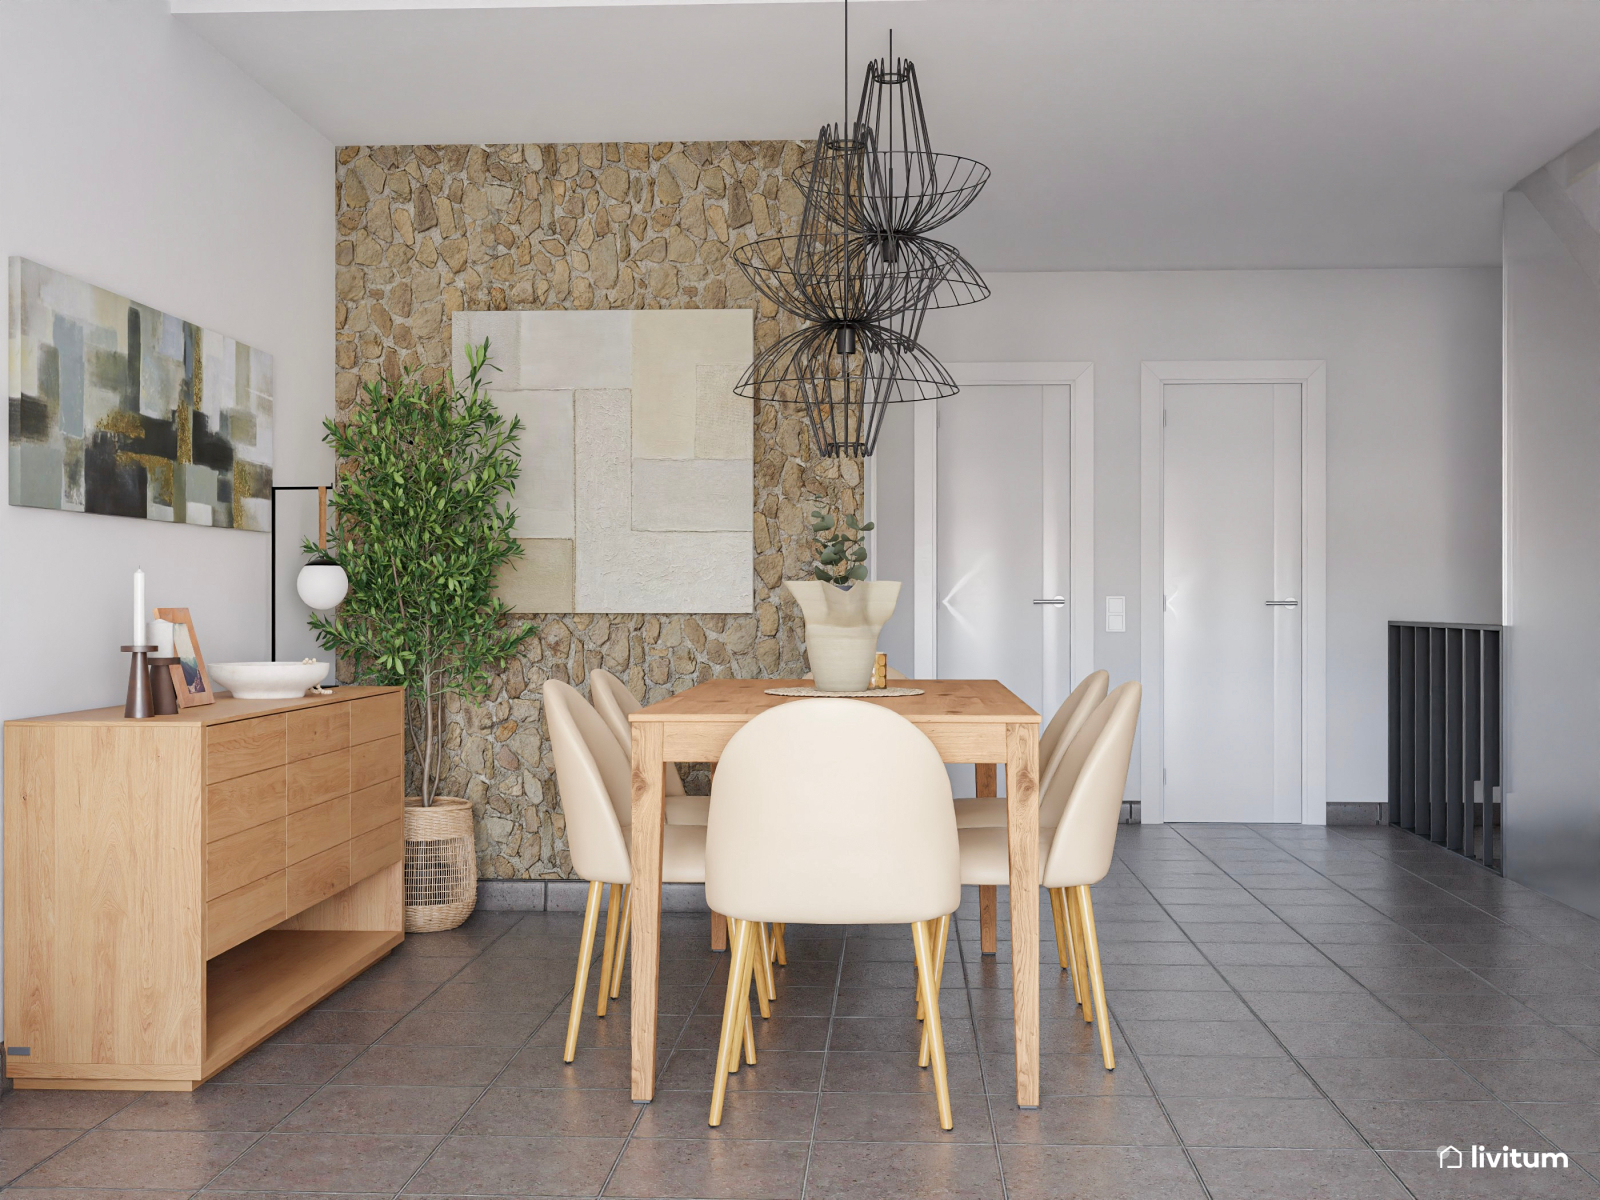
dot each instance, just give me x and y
(189, 676)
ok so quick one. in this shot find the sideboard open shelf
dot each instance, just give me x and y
(179, 888)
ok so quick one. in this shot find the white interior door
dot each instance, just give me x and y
(1003, 552)
(1232, 584)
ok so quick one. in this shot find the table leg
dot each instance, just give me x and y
(649, 817)
(988, 895)
(1022, 826)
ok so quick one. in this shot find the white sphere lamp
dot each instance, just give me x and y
(322, 583)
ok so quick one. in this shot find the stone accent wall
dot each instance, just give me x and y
(426, 231)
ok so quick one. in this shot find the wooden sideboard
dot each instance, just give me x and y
(179, 888)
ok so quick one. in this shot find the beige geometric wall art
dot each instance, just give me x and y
(637, 471)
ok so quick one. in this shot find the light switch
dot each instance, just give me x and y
(1116, 614)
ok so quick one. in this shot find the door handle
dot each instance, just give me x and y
(1283, 604)
(1058, 601)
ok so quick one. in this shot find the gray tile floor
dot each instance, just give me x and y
(1299, 1013)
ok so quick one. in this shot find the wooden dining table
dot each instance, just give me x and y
(968, 721)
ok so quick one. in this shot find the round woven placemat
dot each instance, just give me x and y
(871, 694)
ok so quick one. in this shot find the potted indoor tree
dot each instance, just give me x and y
(422, 526)
(844, 611)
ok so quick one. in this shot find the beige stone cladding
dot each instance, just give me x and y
(425, 232)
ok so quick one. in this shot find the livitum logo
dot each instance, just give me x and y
(1454, 1159)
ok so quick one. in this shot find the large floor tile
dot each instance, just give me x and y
(890, 1171)
(513, 1166)
(1268, 1174)
(344, 1108)
(60, 1110)
(1083, 1121)
(120, 1158)
(22, 1149)
(901, 1117)
(702, 1169)
(1099, 1173)
(1429, 1124)
(224, 1107)
(1290, 1124)
(551, 1112)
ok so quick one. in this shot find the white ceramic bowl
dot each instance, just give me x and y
(268, 680)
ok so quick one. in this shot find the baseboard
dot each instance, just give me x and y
(570, 895)
(1353, 812)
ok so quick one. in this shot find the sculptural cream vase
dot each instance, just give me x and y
(842, 629)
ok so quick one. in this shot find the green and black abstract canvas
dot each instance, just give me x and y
(117, 408)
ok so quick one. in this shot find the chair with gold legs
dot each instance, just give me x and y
(979, 812)
(1081, 805)
(593, 777)
(784, 843)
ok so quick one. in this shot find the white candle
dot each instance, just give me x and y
(138, 607)
(161, 637)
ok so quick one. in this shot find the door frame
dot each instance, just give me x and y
(1311, 375)
(1079, 378)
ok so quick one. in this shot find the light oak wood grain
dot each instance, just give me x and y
(376, 902)
(318, 828)
(1022, 839)
(115, 896)
(649, 810)
(316, 780)
(377, 805)
(312, 880)
(319, 730)
(257, 988)
(373, 762)
(376, 717)
(376, 849)
(243, 747)
(103, 896)
(245, 912)
(235, 805)
(232, 862)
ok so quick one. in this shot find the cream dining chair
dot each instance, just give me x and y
(785, 844)
(593, 778)
(1078, 815)
(613, 701)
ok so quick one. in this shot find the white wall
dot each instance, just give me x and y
(1552, 659)
(1413, 441)
(136, 158)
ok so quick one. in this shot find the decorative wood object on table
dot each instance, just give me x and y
(969, 721)
(178, 888)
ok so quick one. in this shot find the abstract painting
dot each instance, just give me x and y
(637, 485)
(117, 408)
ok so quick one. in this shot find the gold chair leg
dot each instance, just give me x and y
(766, 990)
(591, 918)
(935, 1034)
(1066, 944)
(719, 933)
(732, 1019)
(612, 911)
(1080, 965)
(778, 948)
(622, 940)
(751, 975)
(1096, 980)
(940, 931)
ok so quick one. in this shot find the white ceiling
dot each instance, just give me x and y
(1122, 133)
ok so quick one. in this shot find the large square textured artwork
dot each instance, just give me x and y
(119, 409)
(637, 486)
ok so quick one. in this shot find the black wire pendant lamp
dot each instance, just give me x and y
(862, 271)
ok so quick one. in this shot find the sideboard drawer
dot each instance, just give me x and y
(314, 780)
(243, 747)
(377, 848)
(318, 828)
(253, 854)
(316, 878)
(373, 762)
(378, 717)
(238, 804)
(319, 730)
(245, 912)
(377, 805)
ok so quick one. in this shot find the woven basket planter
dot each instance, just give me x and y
(441, 864)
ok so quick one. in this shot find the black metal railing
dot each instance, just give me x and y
(1444, 736)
